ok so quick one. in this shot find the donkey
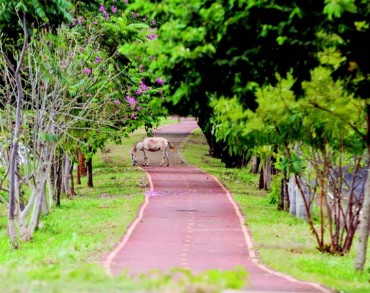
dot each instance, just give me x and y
(151, 144)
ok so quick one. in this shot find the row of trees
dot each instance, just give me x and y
(65, 89)
(286, 82)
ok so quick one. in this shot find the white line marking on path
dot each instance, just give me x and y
(249, 242)
(108, 262)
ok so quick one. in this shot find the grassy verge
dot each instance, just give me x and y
(283, 242)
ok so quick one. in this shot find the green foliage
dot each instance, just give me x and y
(274, 193)
(337, 8)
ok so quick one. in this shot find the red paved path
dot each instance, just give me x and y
(190, 220)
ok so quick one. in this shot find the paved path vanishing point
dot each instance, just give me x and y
(189, 220)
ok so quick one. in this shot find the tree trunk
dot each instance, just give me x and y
(286, 195)
(261, 182)
(268, 173)
(14, 147)
(58, 182)
(68, 184)
(72, 190)
(365, 216)
(255, 164)
(364, 228)
(282, 195)
(89, 173)
(78, 176)
(44, 202)
(82, 163)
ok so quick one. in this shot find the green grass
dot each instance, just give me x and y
(283, 242)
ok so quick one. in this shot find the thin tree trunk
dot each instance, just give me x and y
(14, 147)
(365, 216)
(81, 163)
(268, 173)
(261, 182)
(286, 195)
(282, 195)
(78, 176)
(72, 189)
(59, 177)
(364, 228)
(67, 175)
(89, 173)
(255, 164)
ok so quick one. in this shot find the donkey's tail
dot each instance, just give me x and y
(172, 147)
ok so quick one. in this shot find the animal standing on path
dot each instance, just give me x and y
(151, 144)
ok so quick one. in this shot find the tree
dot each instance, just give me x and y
(15, 10)
(57, 93)
(320, 147)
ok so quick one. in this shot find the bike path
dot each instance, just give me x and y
(189, 220)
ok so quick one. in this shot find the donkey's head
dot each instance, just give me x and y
(133, 155)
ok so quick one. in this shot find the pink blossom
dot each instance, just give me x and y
(98, 59)
(87, 71)
(114, 9)
(143, 86)
(131, 101)
(159, 81)
(139, 91)
(140, 68)
(133, 115)
(126, 1)
(152, 36)
(117, 102)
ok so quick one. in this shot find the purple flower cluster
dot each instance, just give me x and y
(143, 87)
(159, 81)
(98, 59)
(131, 101)
(152, 36)
(105, 13)
(87, 71)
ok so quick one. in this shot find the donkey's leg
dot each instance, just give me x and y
(146, 159)
(163, 157)
(166, 156)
